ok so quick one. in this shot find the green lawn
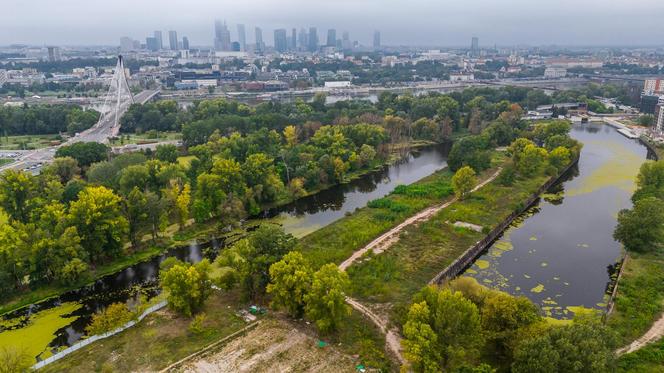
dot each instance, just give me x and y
(640, 297)
(147, 137)
(27, 142)
(4, 161)
(159, 340)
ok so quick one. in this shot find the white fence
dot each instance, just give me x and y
(95, 338)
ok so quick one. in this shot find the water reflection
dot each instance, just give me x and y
(141, 280)
(561, 253)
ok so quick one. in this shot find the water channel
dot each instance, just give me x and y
(48, 326)
(561, 253)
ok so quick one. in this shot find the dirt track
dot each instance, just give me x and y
(655, 332)
(382, 243)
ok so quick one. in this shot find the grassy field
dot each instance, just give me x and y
(424, 250)
(640, 298)
(159, 340)
(649, 359)
(337, 241)
(4, 161)
(27, 142)
(146, 137)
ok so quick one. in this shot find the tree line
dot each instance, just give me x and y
(45, 119)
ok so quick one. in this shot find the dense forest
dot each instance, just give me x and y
(45, 119)
(89, 208)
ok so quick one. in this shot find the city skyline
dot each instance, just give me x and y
(507, 23)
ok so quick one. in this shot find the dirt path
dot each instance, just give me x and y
(387, 239)
(654, 334)
(382, 243)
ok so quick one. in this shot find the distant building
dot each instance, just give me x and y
(173, 40)
(649, 104)
(126, 44)
(160, 39)
(236, 47)
(185, 43)
(293, 40)
(475, 47)
(376, 40)
(3, 77)
(222, 36)
(331, 38)
(659, 115)
(260, 46)
(303, 40)
(313, 39)
(242, 37)
(152, 44)
(54, 54)
(280, 40)
(461, 77)
(338, 84)
(653, 86)
(555, 72)
(345, 41)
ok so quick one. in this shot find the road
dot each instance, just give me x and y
(32, 161)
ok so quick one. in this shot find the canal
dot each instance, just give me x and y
(46, 327)
(561, 253)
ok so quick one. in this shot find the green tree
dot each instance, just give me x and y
(326, 302)
(187, 286)
(420, 342)
(464, 181)
(98, 218)
(650, 181)
(65, 168)
(290, 280)
(167, 153)
(559, 158)
(531, 160)
(17, 189)
(136, 212)
(111, 318)
(579, 347)
(85, 153)
(641, 229)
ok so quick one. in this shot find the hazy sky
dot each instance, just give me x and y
(402, 22)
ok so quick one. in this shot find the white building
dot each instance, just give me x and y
(659, 118)
(462, 77)
(339, 84)
(653, 86)
(555, 72)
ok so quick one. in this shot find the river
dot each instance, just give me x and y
(48, 326)
(561, 253)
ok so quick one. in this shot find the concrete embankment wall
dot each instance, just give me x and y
(469, 256)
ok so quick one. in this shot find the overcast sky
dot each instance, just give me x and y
(402, 22)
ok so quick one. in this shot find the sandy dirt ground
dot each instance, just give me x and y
(273, 346)
(655, 332)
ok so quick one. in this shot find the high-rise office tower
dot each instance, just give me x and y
(173, 40)
(259, 39)
(222, 36)
(345, 41)
(160, 39)
(475, 47)
(185, 43)
(54, 53)
(126, 44)
(331, 37)
(293, 45)
(280, 42)
(152, 44)
(242, 37)
(376, 40)
(303, 40)
(313, 39)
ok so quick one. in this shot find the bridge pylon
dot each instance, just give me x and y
(118, 97)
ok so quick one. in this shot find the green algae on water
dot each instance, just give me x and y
(482, 264)
(537, 289)
(35, 337)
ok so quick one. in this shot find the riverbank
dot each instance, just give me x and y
(172, 238)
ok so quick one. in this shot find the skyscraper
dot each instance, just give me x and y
(222, 36)
(376, 40)
(54, 53)
(185, 43)
(126, 44)
(475, 47)
(331, 37)
(259, 39)
(345, 41)
(280, 42)
(242, 37)
(152, 44)
(313, 39)
(160, 39)
(173, 40)
(293, 45)
(303, 40)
